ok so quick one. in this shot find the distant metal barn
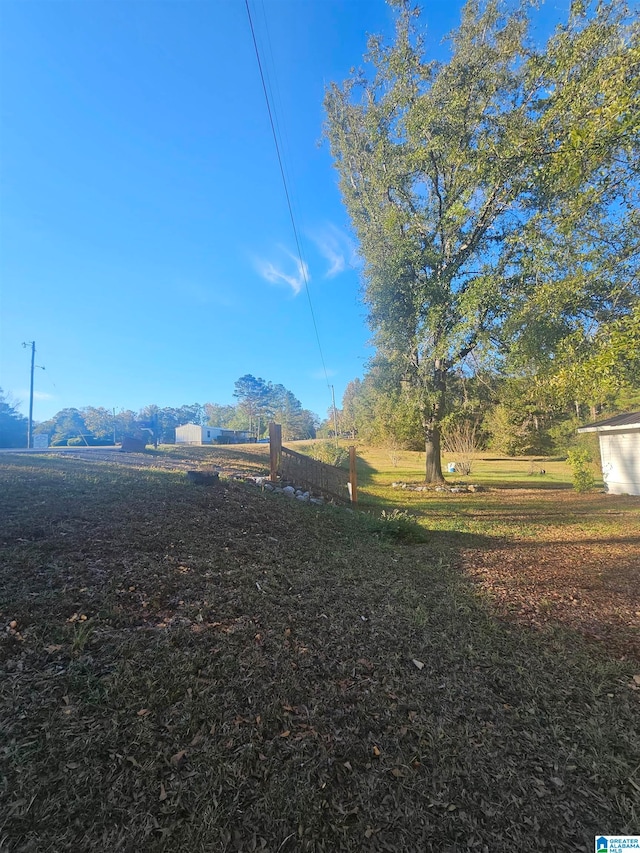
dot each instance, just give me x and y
(196, 434)
(619, 452)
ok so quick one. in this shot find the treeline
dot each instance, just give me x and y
(486, 410)
(259, 402)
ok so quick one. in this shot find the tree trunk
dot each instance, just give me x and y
(433, 467)
(431, 422)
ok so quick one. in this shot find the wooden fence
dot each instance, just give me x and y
(316, 476)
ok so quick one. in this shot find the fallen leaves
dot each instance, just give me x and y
(416, 729)
(178, 758)
(588, 583)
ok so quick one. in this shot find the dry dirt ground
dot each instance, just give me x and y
(220, 669)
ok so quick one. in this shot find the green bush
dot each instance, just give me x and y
(580, 460)
(327, 452)
(396, 526)
(565, 438)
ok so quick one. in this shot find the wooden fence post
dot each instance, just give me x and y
(275, 449)
(353, 476)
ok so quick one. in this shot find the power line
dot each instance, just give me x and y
(303, 267)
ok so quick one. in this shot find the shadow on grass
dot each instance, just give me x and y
(281, 680)
(536, 484)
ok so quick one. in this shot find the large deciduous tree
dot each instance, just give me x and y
(576, 319)
(445, 166)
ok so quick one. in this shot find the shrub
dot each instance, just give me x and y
(76, 442)
(327, 452)
(516, 432)
(396, 526)
(580, 460)
(461, 441)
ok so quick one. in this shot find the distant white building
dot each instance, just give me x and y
(619, 452)
(196, 434)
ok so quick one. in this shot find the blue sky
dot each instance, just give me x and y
(145, 239)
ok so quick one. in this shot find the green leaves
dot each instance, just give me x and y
(495, 196)
(260, 401)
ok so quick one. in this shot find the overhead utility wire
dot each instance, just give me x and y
(266, 49)
(278, 110)
(303, 268)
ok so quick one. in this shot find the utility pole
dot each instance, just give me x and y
(31, 344)
(335, 415)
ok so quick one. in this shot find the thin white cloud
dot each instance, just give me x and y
(337, 248)
(294, 274)
(337, 261)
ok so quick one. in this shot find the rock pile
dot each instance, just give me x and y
(459, 488)
(288, 490)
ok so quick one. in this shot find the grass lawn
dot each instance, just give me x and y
(543, 554)
(221, 669)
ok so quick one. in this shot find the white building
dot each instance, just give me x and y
(619, 452)
(196, 434)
